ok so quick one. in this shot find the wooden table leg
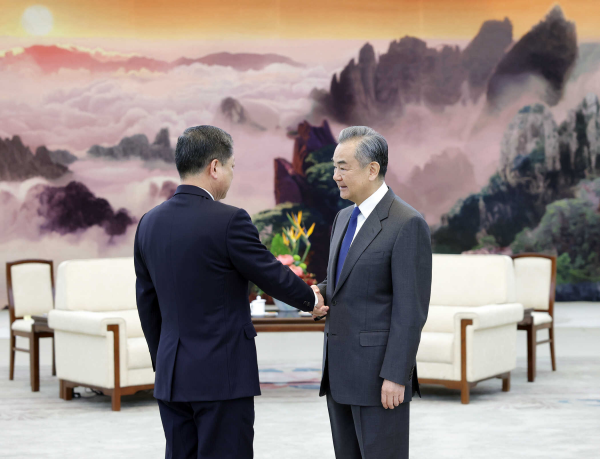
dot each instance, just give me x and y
(34, 361)
(531, 347)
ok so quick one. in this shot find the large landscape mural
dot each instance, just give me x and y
(493, 127)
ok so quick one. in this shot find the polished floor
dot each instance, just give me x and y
(558, 416)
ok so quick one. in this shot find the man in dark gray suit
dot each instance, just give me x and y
(377, 288)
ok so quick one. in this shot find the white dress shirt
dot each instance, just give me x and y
(209, 193)
(368, 206)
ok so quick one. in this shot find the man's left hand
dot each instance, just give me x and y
(392, 394)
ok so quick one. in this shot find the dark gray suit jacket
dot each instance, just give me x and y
(380, 305)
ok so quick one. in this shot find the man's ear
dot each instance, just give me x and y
(374, 170)
(213, 168)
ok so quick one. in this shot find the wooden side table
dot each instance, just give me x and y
(527, 325)
(40, 329)
(287, 321)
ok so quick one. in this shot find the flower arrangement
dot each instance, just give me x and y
(292, 237)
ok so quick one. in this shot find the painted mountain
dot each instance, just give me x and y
(50, 59)
(17, 162)
(545, 197)
(495, 141)
(374, 89)
(137, 147)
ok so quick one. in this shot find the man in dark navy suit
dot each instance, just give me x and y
(193, 259)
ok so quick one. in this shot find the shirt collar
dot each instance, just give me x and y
(193, 189)
(369, 204)
(209, 193)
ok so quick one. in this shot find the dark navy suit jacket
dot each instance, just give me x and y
(193, 259)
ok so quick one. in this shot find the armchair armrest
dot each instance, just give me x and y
(84, 322)
(446, 319)
(490, 316)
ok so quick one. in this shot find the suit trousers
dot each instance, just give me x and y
(208, 430)
(369, 432)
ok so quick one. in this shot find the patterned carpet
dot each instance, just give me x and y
(558, 417)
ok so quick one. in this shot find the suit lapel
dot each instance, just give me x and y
(369, 231)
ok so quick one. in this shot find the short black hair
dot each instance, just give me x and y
(198, 146)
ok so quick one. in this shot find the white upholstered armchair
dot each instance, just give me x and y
(471, 331)
(98, 334)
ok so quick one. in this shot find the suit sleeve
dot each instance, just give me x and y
(411, 281)
(323, 284)
(257, 264)
(147, 300)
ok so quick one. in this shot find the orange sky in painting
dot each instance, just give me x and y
(320, 19)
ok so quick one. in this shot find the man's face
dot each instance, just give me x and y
(352, 179)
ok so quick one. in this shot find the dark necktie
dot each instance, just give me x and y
(346, 243)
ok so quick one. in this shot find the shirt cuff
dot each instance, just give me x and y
(316, 299)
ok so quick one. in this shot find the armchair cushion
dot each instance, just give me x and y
(436, 347)
(533, 280)
(138, 355)
(472, 280)
(22, 325)
(540, 318)
(103, 284)
(32, 288)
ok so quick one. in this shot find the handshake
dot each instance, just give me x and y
(320, 309)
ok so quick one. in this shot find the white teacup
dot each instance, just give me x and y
(257, 307)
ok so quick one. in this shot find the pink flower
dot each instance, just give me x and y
(286, 259)
(297, 270)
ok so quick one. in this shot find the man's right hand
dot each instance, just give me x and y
(320, 309)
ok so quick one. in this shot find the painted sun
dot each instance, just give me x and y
(37, 20)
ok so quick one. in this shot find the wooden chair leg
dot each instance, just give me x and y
(34, 362)
(506, 382)
(552, 354)
(531, 347)
(13, 344)
(53, 358)
(116, 400)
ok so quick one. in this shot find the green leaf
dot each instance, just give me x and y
(278, 247)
